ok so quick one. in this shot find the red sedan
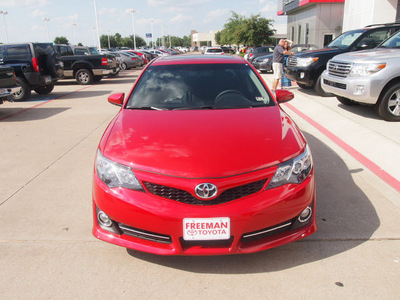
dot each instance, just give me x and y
(202, 160)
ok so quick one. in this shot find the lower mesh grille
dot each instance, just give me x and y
(143, 234)
(186, 197)
(266, 232)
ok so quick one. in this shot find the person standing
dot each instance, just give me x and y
(277, 62)
(286, 82)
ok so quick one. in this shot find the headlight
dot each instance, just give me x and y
(305, 62)
(358, 70)
(116, 175)
(295, 170)
(266, 60)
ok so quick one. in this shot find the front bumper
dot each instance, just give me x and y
(304, 76)
(150, 223)
(360, 89)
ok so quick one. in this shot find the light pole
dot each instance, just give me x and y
(97, 25)
(4, 22)
(47, 29)
(162, 36)
(73, 27)
(133, 27)
(169, 36)
(94, 36)
(152, 35)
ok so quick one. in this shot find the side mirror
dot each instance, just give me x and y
(284, 96)
(116, 99)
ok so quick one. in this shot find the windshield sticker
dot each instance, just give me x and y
(261, 99)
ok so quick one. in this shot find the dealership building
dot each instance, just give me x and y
(320, 21)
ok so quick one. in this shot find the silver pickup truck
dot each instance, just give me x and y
(370, 77)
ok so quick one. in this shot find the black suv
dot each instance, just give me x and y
(36, 65)
(306, 67)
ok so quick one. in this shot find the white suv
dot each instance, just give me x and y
(370, 77)
(214, 51)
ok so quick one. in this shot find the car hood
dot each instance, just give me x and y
(377, 54)
(320, 52)
(202, 143)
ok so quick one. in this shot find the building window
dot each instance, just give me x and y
(299, 35)
(292, 34)
(307, 32)
(328, 38)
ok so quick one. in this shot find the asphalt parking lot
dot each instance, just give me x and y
(47, 251)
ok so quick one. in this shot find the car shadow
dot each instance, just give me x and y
(366, 111)
(346, 219)
(10, 114)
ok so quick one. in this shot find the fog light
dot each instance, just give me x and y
(305, 215)
(104, 219)
(360, 89)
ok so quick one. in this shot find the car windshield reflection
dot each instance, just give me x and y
(201, 86)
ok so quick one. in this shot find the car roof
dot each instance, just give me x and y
(198, 59)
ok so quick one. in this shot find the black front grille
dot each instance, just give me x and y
(291, 61)
(267, 232)
(186, 197)
(335, 84)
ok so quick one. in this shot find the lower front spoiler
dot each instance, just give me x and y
(235, 245)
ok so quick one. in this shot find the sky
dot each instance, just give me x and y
(24, 21)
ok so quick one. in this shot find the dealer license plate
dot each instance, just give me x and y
(205, 229)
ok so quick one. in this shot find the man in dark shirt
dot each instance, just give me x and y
(277, 62)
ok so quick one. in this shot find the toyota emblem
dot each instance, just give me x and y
(206, 190)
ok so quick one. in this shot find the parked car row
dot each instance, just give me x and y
(263, 63)
(38, 66)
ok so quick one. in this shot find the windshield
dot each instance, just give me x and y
(199, 86)
(346, 39)
(93, 50)
(392, 42)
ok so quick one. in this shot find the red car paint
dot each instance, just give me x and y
(181, 149)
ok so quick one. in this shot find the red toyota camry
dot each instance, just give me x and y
(202, 160)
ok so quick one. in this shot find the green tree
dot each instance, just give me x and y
(253, 31)
(218, 38)
(256, 31)
(61, 40)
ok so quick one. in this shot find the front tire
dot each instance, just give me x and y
(124, 66)
(44, 90)
(319, 90)
(84, 77)
(389, 106)
(25, 92)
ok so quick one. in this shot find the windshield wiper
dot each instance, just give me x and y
(195, 107)
(145, 108)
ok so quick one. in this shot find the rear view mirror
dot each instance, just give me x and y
(284, 96)
(116, 99)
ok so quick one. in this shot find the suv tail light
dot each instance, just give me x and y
(104, 61)
(35, 64)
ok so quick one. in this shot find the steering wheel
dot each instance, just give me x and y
(231, 98)
(223, 93)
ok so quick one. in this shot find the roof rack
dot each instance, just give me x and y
(383, 24)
